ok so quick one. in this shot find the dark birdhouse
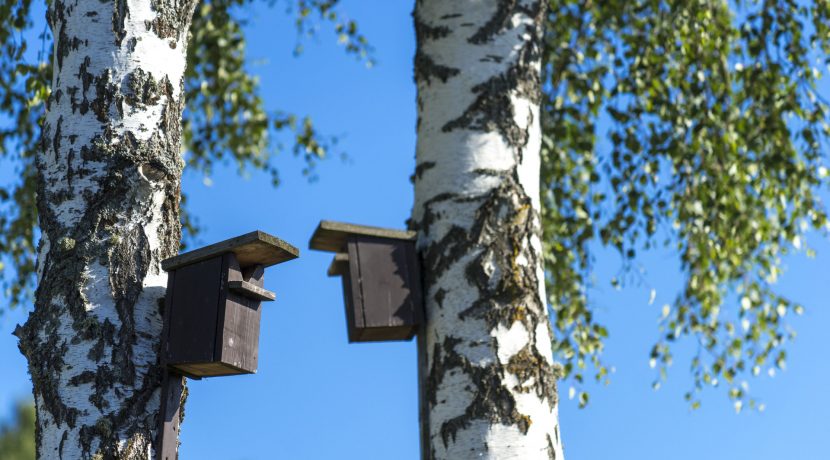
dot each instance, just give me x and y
(381, 279)
(213, 304)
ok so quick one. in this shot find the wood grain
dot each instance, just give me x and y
(250, 249)
(251, 290)
(331, 236)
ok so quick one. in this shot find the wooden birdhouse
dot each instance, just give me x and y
(213, 304)
(381, 279)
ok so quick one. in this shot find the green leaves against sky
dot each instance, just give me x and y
(717, 128)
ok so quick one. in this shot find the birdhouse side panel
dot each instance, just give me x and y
(351, 306)
(239, 346)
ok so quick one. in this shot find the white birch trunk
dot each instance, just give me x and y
(108, 194)
(490, 379)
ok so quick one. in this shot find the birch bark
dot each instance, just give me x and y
(108, 194)
(489, 372)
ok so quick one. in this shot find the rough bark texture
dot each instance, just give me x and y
(489, 372)
(108, 193)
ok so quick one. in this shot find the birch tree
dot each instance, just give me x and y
(489, 374)
(108, 199)
(717, 118)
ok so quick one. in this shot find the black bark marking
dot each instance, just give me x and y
(551, 449)
(120, 11)
(172, 18)
(142, 89)
(491, 398)
(426, 69)
(56, 139)
(492, 109)
(500, 21)
(421, 168)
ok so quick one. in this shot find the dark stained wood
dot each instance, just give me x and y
(355, 295)
(203, 370)
(383, 283)
(381, 278)
(239, 346)
(423, 384)
(211, 319)
(172, 387)
(214, 317)
(197, 291)
(383, 291)
(252, 248)
(339, 264)
(331, 236)
(254, 274)
(350, 307)
(167, 440)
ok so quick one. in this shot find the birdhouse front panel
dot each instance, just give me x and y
(384, 287)
(194, 299)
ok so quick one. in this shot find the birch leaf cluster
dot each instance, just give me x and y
(717, 126)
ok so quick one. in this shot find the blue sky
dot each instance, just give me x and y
(317, 397)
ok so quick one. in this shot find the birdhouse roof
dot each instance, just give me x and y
(332, 236)
(255, 248)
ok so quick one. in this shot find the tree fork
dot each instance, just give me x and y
(108, 201)
(488, 380)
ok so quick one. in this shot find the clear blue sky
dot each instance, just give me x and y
(317, 397)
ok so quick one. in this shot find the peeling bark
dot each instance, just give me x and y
(489, 373)
(108, 194)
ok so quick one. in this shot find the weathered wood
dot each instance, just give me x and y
(213, 329)
(172, 387)
(167, 439)
(381, 278)
(255, 248)
(254, 274)
(339, 265)
(354, 296)
(211, 318)
(251, 290)
(238, 343)
(331, 236)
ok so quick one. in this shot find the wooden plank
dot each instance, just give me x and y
(386, 334)
(252, 248)
(349, 305)
(194, 312)
(204, 370)
(339, 265)
(352, 295)
(167, 439)
(251, 290)
(255, 274)
(385, 281)
(172, 386)
(423, 383)
(331, 236)
(240, 333)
